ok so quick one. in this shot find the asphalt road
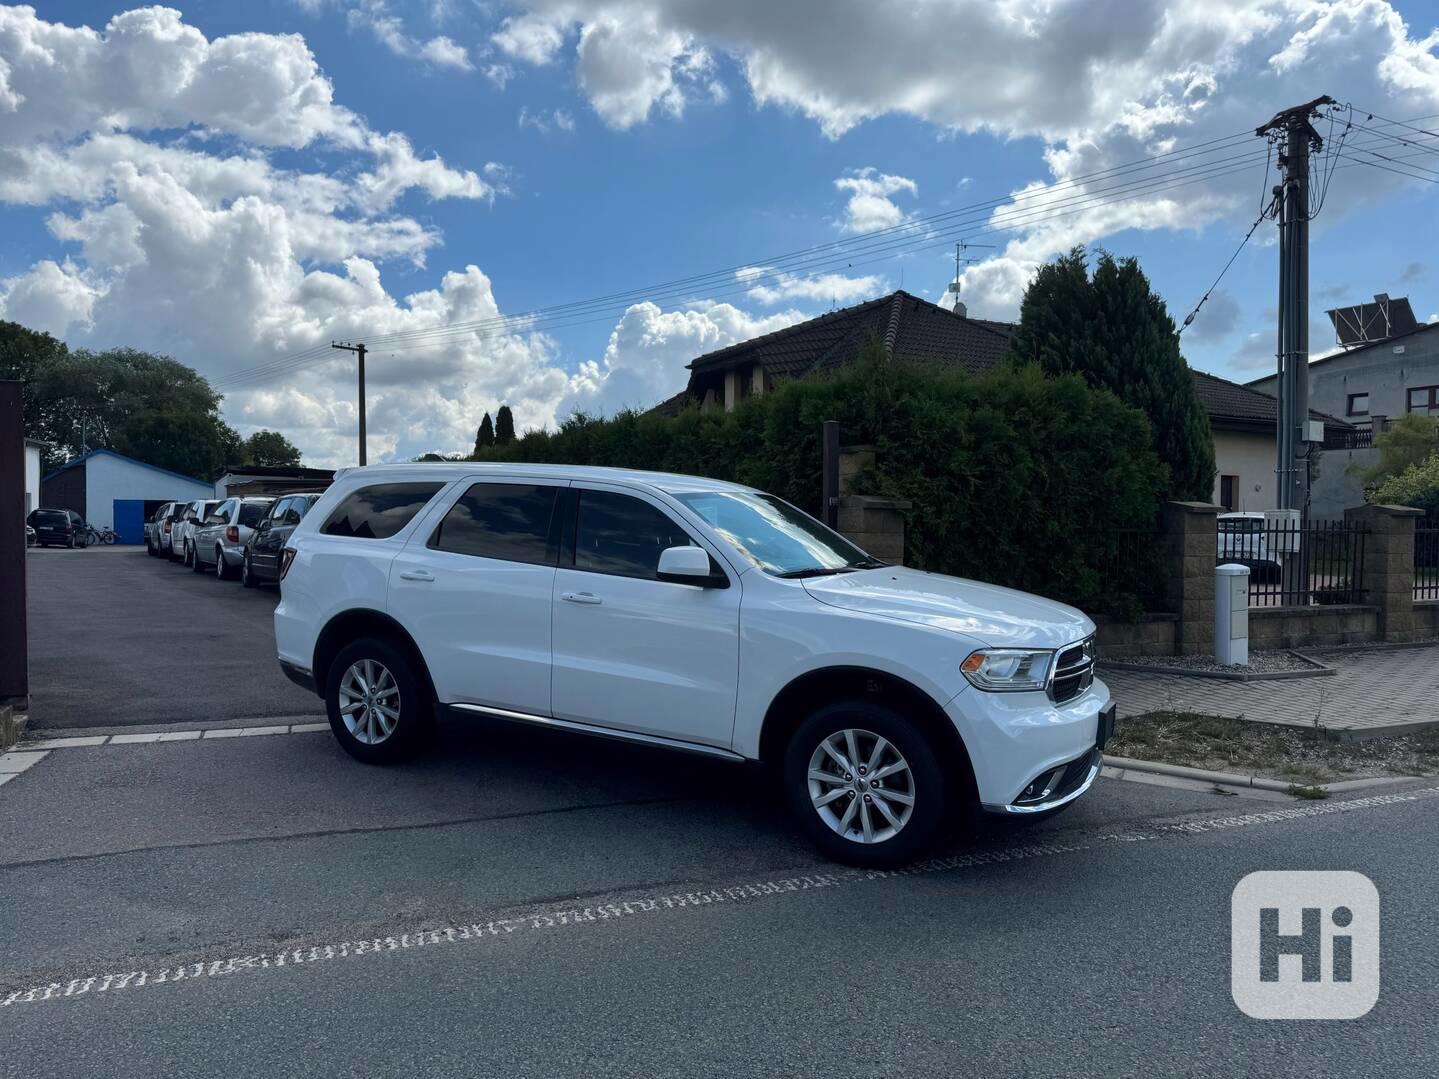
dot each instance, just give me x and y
(119, 638)
(521, 903)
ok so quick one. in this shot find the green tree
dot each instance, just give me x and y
(504, 426)
(1417, 486)
(1112, 329)
(485, 436)
(25, 355)
(269, 448)
(1410, 440)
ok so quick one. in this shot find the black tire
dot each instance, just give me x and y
(930, 788)
(247, 575)
(72, 541)
(222, 571)
(416, 705)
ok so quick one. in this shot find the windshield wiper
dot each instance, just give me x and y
(814, 571)
(867, 563)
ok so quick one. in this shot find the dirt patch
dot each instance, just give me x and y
(1266, 749)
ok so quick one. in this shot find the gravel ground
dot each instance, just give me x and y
(1259, 663)
(1266, 749)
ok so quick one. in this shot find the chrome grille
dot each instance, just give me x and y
(1073, 671)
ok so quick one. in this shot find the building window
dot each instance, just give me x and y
(1358, 404)
(1229, 492)
(1424, 399)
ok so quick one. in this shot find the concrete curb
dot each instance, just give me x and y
(1319, 670)
(1229, 779)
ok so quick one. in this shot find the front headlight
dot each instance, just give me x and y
(1007, 670)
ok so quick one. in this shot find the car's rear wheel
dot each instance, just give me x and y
(222, 571)
(865, 784)
(378, 703)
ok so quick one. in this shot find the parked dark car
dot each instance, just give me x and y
(57, 528)
(260, 563)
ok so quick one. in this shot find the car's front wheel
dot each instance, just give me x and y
(247, 575)
(193, 558)
(865, 784)
(378, 703)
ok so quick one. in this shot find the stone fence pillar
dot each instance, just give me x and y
(1191, 550)
(876, 524)
(1388, 580)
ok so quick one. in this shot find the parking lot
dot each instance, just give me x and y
(510, 894)
(119, 638)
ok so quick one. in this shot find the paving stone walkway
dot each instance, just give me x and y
(1372, 691)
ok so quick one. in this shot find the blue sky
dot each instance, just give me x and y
(200, 183)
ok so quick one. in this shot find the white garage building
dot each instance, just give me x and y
(108, 488)
(33, 450)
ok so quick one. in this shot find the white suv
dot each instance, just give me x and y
(692, 614)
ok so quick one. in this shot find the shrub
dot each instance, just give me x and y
(1417, 486)
(1016, 478)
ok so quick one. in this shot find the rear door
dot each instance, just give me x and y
(630, 651)
(268, 539)
(473, 587)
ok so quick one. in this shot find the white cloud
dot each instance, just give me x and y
(535, 39)
(870, 206)
(829, 288)
(648, 349)
(546, 120)
(49, 297)
(388, 29)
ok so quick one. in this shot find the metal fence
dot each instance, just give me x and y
(1296, 564)
(1131, 570)
(1426, 560)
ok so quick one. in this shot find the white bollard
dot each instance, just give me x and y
(1231, 614)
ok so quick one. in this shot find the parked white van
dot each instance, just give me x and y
(696, 615)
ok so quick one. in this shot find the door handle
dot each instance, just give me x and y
(581, 597)
(416, 575)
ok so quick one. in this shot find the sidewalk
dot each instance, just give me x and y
(1373, 692)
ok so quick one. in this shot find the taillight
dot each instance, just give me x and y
(232, 535)
(287, 556)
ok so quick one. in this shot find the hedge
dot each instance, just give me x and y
(1016, 478)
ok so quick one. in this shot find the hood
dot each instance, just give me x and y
(993, 616)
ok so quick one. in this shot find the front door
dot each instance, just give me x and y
(632, 652)
(473, 587)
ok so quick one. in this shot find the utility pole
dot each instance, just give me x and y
(359, 351)
(1296, 137)
(960, 261)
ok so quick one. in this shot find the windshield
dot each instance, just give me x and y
(775, 536)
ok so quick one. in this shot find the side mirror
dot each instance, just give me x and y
(687, 565)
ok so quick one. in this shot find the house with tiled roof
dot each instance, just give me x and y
(913, 329)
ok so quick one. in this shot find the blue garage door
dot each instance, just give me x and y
(129, 517)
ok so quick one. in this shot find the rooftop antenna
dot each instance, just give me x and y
(960, 259)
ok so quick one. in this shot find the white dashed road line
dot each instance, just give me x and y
(555, 917)
(44, 745)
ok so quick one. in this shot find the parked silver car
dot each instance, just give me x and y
(219, 540)
(182, 532)
(157, 537)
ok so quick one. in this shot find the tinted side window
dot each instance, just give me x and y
(509, 521)
(622, 535)
(380, 511)
(251, 513)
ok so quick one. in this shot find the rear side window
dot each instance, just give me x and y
(508, 521)
(380, 511)
(252, 513)
(622, 535)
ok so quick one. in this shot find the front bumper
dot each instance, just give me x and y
(1015, 739)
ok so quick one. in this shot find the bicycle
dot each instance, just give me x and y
(93, 535)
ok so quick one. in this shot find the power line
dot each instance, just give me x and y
(1257, 222)
(574, 314)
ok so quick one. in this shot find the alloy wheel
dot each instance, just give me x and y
(861, 786)
(369, 701)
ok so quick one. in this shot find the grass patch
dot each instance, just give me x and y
(1303, 756)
